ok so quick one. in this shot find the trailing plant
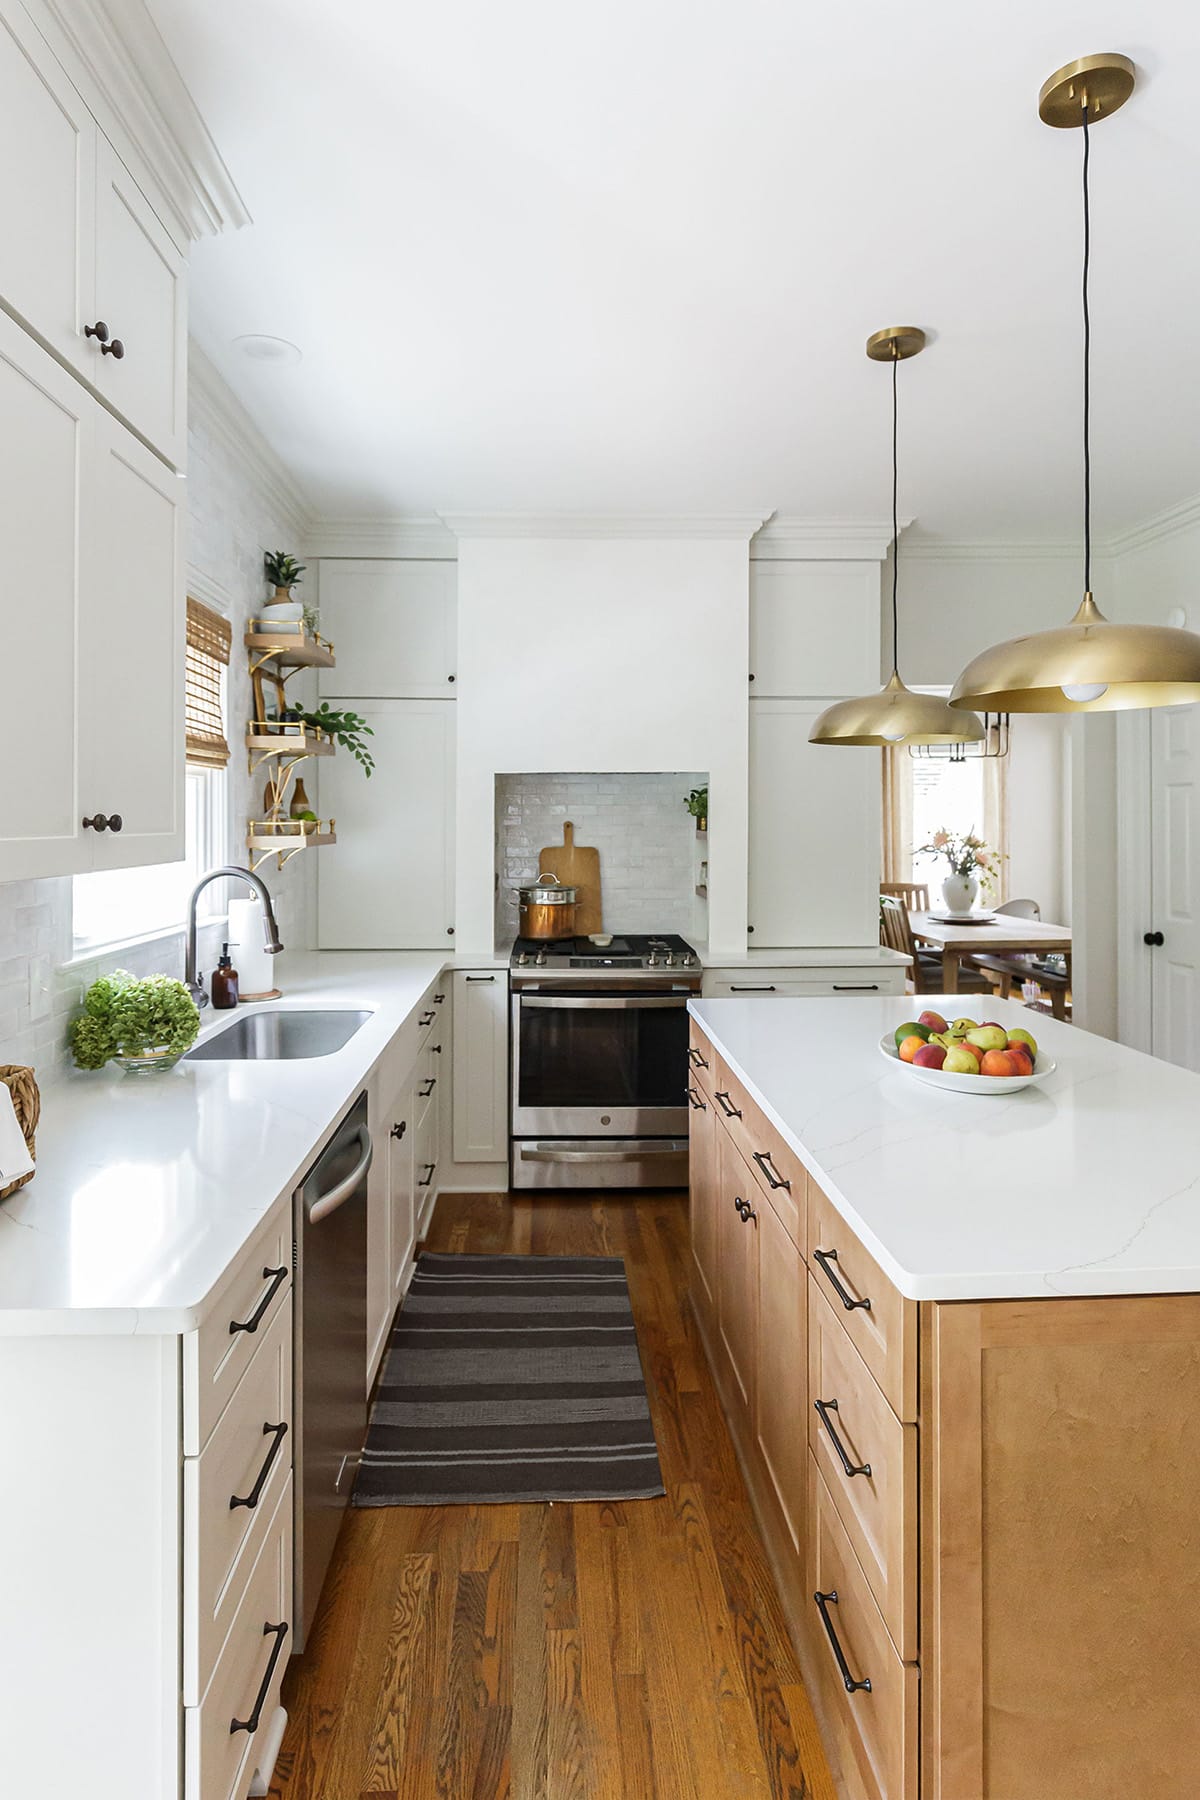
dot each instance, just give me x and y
(125, 1016)
(283, 571)
(697, 802)
(347, 729)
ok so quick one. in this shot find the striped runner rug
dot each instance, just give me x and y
(511, 1378)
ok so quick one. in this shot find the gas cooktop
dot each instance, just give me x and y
(627, 953)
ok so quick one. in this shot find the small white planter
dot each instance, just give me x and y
(959, 893)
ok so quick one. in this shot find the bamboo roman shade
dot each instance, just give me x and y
(208, 643)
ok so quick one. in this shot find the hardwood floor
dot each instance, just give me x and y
(563, 1652)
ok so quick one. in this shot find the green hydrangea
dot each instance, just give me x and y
(125, 1016)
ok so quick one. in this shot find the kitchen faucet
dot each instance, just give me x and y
(195, 985)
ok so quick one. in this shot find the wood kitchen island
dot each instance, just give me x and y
(957, 1339)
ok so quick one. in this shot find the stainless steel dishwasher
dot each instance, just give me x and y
(331, 1350)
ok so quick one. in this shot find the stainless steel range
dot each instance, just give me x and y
(599, 1061)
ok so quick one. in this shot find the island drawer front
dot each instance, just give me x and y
(875, 1733)
(219, 1760)
(800, 983)
(878, 1507)
(702, 1061)
(247, 1459)
(778, 1171)
(884, 1332)
(217, 1355)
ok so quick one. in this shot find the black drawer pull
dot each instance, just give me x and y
(423, 1093)
(827, 1258)
(278, 1432)
(435, 1049)
(694, 1057)
(276, 1277)
(856, 987)
(474, 978)
(438, 999)
(824, 1408)
(744, 1210)
(767, 987)
(428, 1180)
(824, 1602)
(278, 1632)
(426, 1019)
(763, 1159)
(698, 1104)
(727, 1107)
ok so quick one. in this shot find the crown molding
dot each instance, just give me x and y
(785, 537)
(213, 407)
(1171, 522)
(741, 526)
(419, 539)
(918, 549)
(123, 57)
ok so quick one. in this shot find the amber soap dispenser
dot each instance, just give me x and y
(224, 982)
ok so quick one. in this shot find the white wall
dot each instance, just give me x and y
(1039, 813)
(602, 653)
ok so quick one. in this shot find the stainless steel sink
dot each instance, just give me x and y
(280, 1037)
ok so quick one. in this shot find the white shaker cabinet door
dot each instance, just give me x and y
(814, 834)
(388, 883)
(44, 450)
(480, 1095)
(131, 664)
(394, 626)
(814, 628)
(48, 155)
(402, 1197)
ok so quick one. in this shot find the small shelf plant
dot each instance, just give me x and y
(697, 804)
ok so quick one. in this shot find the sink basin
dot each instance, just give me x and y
(279, 1037)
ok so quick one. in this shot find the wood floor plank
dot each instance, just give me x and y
(397, 1684)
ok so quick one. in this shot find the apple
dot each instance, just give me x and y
(932, 1021)
(908, 1049)
(989, 1037)
(1026, 1038)
(1018, 1054)
(930, 1056)
(999, 1062)
(910, 1030)
(961, 1027)
(960, 1061)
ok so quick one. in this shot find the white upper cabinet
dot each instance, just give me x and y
(814, 628)
(394, 626)
(814, 834)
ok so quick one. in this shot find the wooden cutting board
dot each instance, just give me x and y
(576, 866)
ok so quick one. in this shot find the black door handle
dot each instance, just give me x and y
(278, 1632)
(1153, 938)
(276, 1277)
(278, 1432)
(823, 1409)
(824, 1602)
(826, 1259)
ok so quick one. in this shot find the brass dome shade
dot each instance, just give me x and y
(895, 715)
(1090, 665)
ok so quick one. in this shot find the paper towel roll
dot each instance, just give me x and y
(247, 948)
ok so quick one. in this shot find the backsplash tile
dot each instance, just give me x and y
(637, 821)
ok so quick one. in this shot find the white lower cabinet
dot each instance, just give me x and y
(804, 981)
(480, 1086)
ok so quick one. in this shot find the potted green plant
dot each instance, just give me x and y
(697, 805)
(345, 728)
(284, 573)
(142, 1025)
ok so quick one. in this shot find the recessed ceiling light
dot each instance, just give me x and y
(268, 349)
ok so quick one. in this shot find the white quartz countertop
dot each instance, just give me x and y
(870, 956)
(1087, 1184)
(147, 1187)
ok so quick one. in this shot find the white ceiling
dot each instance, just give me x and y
(624, 258)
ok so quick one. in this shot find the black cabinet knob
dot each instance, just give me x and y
(116, 349)
(399, 1129)
(1153, 938)
(99, 331)
(98, 822)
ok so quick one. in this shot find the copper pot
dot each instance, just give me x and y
(546, 908)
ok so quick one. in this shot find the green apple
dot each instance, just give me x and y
(989, 1037)
(1027, 1038)
(907, 1031)
(961, 1027)
(960, 1062)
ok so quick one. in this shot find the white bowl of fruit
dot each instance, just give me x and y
(966, 1056)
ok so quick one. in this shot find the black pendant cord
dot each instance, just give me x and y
(895, 522)
(1087, 367)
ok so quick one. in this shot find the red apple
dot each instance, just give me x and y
(932, 1021)
(907, 1050)
(999, 1062)
(930, 1056)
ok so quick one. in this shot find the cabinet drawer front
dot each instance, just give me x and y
(433, 1014)
(802, 984)
(702, 1061)
(877, 1502)
(217, 1356)
(219, 1753)
(877, 1318)
(874, 1731)
(229, 1495)
(777, 1170)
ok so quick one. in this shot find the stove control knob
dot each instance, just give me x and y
(669, 959)
(652, 960)
(540, 959)
(687, 959)
(522, 959)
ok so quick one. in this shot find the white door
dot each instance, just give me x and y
(394, 627)
(1175, 883)
(48, 154)
(131, 665)
(45, 444)
(141, 295)
(388, 883)
(814, 834)
(480, 1065)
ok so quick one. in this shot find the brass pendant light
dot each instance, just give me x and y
(895, 715)
(1090, 665)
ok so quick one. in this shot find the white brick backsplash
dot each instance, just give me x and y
(638, 822)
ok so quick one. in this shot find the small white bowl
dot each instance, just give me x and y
(601, 939)
(983, 1085)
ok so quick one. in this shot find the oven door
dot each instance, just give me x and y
(599, 1065)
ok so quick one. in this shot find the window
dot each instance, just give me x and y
(117, 905)
(923, 794)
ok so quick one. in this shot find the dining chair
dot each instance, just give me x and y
(1007, 967)
(925, 973)
(915, 894)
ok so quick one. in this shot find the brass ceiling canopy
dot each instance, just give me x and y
(1090, 665)
(896, 715)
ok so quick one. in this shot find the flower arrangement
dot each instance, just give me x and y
(131, 1020)
(967, 855)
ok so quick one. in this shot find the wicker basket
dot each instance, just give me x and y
(27, 1104)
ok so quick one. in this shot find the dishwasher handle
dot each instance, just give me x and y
(333, 1197)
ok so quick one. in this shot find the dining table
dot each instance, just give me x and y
(1002, 933)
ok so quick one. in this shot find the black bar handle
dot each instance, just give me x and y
(474, 978)
(751, 987)
(694, 1057)
(698, 1104)
(278, 1433)
(763, 1159)
(824, 1602)
(439, 999)
(827, 1258)
(856, 987)
(399, 1129)
(276, 1277)
(278, 1632)
(428, 1181)
(823, 1409)
(426, 1018)
(423, 1093)
(727, 1107)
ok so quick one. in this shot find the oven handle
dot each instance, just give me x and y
(609, 1002)
(596, 1156)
